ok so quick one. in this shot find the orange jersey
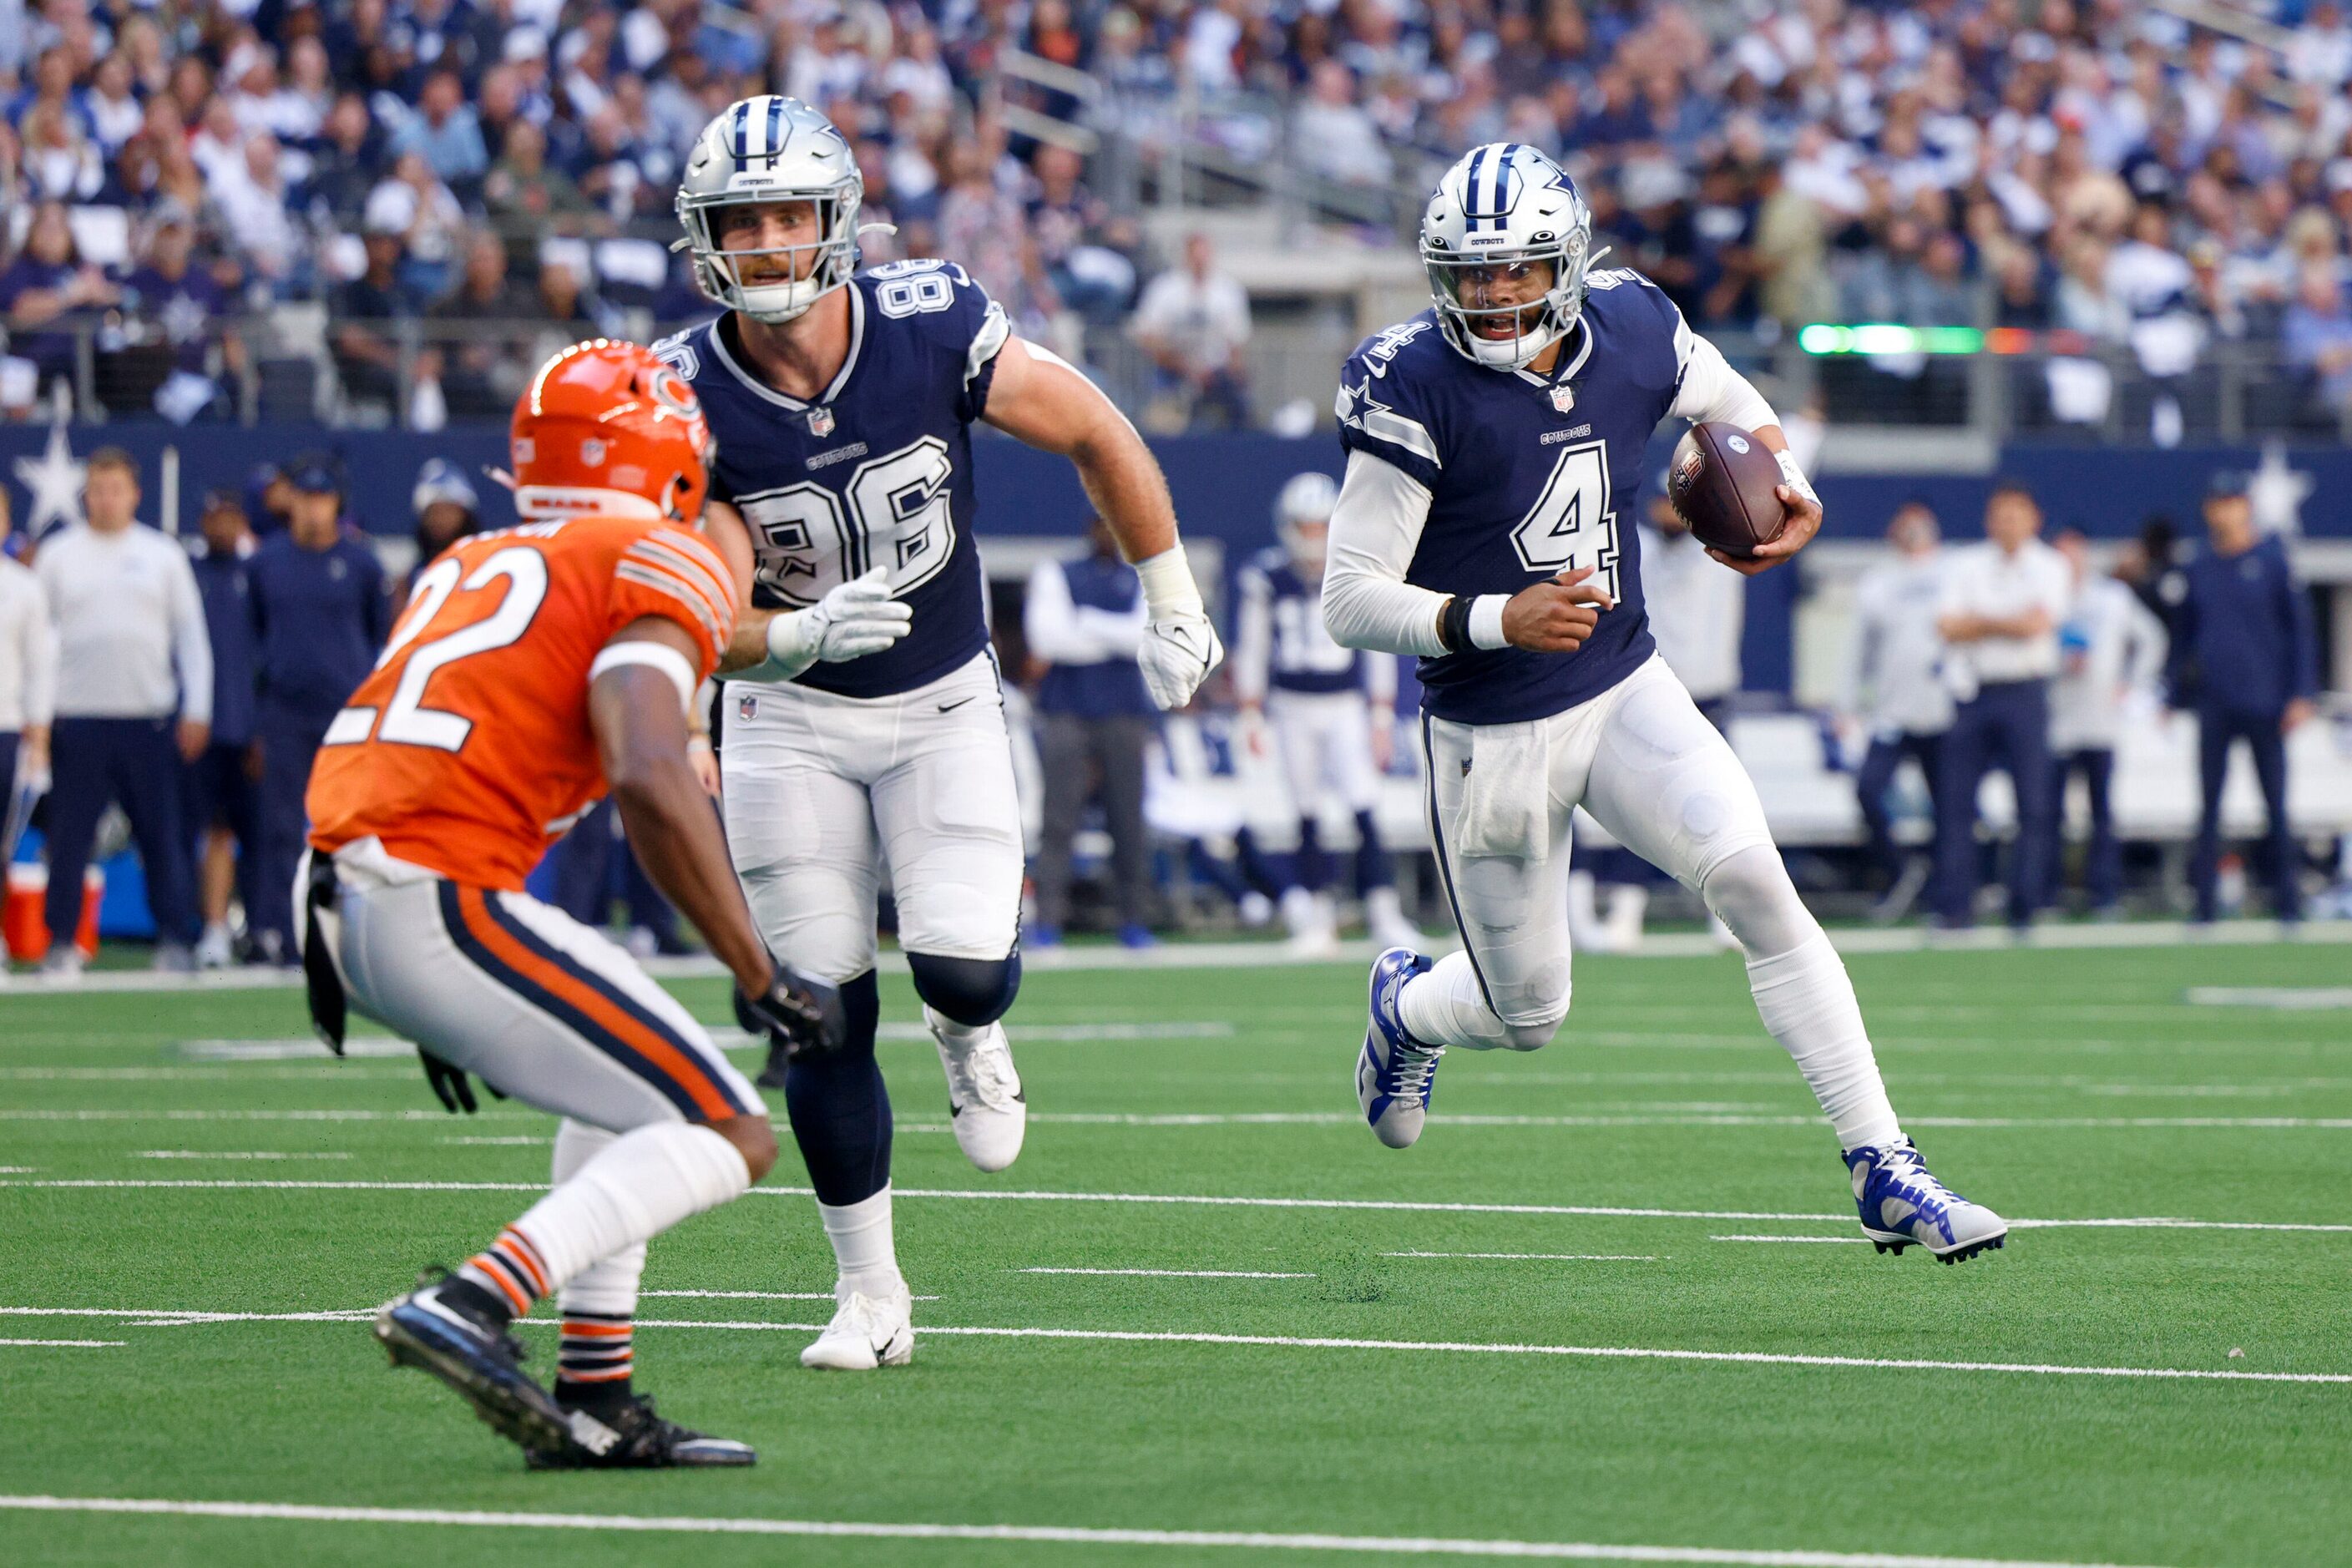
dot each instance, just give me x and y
(468, 750)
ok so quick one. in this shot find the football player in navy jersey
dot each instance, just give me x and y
(1332, 711)
(863, 724)
(1486, 524)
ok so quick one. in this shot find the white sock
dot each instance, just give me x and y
(608, 1287)
(1807, 1002)
(950, 1033)
(1445, 1006)
(1382, 906)
(863, 1249)
(636, 1186)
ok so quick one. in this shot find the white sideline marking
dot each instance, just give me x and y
(173, 1318)
(291, 1048)
(1054, 1534)
(1390, 1204)
(1540, 1257)
(519, 1143)
(2291, 998)
(1174, 1273)
(1604, 1353)
(73, 1344)
(761, 1295)
(1856, 1240)
(239, 1154)
(22, 1115)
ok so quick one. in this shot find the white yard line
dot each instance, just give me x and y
(236, 1154)
(73, 1344)
(1042, 1534)
(1174, 1273)
(2293, 998)
(516, 1143)
(173, 1318)
(1856, 1240)
(1541, 1256)
(760, 1295)
(20, 1114)
(1385, 1205)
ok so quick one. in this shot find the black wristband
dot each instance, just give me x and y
(1454, 624)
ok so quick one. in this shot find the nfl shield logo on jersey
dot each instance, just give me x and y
(820, 421)
(747, 706)
(1563, 398)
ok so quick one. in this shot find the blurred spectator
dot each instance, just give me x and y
(320, 613)
(253, 199)
(446, 131)
(1999, 612)
(414, 204)
(1083, 620)
(480, 371)
(1895, 687)
(2110, 652)
(367, 311)
(1331, 135)
(2245, 658)
(28, 687)
(2319, 336)
(48, 289)
(1193, 321)
(133, 707)
(179, 307)
(527, 196)
(218, 803)
(347, 164)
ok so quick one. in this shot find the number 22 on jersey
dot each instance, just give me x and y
(406, 720)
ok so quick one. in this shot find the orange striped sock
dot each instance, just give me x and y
(594, 1355)
(511, 1268)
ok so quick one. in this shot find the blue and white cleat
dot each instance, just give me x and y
(481, 1361)
(1393, 1071)
(1903, 1202)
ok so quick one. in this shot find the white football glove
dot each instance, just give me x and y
(1179, 647)
(854, 619)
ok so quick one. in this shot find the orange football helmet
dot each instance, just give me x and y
(606, 429)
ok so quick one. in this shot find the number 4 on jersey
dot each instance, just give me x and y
(1570, 524)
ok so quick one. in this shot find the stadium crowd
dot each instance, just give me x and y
(2093, 167)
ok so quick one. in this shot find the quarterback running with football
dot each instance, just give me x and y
(1495, 452)
(864, 721)
(533, 669)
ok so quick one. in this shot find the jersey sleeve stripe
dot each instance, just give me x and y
(701, 551)
(663, 582)
(697, 572)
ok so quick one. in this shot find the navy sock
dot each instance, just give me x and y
(1371, 859)
(839, 1108)
(1313, 867)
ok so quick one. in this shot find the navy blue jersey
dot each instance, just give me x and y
(1528, 476)
(319, 619)
(876, 472)
(1300, 654)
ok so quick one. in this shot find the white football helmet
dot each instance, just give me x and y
(770, 149)
(1302, 515)
(1504, 204)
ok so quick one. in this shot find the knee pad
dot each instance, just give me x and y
(1532, 1036)
(972, 992)
(1752, 894)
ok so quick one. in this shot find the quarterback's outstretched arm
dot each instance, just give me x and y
(1041, 400)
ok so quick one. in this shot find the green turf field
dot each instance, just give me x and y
(146, 1177)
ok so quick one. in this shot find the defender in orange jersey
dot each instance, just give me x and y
(536, 668)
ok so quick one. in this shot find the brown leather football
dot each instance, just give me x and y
(1721, 483)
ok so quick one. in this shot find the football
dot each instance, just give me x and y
(1721, 483)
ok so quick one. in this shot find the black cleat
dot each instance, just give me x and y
(480, 1358)
(642, 1440)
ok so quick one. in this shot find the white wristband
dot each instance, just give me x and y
(1486, 621)
(1794, 477)
(1169, 590)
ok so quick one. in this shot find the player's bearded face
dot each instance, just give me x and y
(1490, 290)
(773, 242)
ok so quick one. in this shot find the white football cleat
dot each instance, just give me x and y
(990, 1113)
(867, 1331)
(1394, 1070)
